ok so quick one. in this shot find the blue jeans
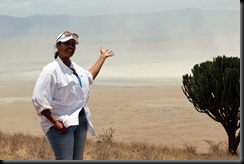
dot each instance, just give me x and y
(70, 145)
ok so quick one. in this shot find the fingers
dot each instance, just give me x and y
(101, 50)
(60, 126)
(63, 130)
(107, 51)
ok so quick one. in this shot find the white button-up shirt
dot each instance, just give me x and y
(59, 90)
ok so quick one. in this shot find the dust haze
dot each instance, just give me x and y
(147, 50)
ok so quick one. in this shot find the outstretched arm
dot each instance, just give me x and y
(99, 63)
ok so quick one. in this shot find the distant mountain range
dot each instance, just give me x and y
(142, 27)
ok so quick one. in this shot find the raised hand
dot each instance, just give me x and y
(106, 52)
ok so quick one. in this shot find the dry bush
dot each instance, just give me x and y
(106, 136)
(215, 147)
(19, 146)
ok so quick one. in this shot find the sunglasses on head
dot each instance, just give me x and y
(67, 33)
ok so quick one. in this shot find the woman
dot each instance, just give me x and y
(60, 98)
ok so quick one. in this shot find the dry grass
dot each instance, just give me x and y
(19, 146)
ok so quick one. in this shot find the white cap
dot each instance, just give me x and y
(63, 38)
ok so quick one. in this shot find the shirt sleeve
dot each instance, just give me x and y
(43, 92)
(90, 77)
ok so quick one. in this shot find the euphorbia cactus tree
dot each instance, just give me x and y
(214, 89)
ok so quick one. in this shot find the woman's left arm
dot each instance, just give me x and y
(94, 70)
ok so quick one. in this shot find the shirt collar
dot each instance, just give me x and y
(63, 66)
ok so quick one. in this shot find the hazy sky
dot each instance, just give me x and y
(24, 8)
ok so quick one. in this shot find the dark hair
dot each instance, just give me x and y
(56, 53)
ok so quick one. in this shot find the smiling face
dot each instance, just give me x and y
(66, 49)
